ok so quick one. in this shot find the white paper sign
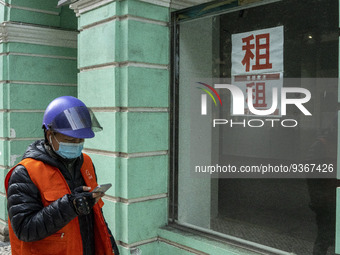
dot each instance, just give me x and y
(259, 51)
(257, 64)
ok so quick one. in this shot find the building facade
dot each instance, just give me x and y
(130, 61)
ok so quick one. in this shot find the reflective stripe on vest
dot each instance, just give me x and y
(52, 186)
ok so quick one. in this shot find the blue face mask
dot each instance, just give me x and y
(69, 150)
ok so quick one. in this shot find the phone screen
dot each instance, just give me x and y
(102, 188)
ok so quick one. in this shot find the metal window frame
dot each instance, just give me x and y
(214, 8)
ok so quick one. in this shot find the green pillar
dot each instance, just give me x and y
(38, 52)
(123, 58)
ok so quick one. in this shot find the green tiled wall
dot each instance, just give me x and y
(166, 249)
(126, 41)
(123, 59)
(3, 154)
(41, 69)
(2, 181)
(39, 49)
(99, 14)
(31, 75)
(131, 132)
(35, 4)
(144, 87)
(140, 221)
(16, 101)
(93, 49)
(146, 42)
(108, 139)
(107, 169)
(143, 132)
(26, 16)
(127, 7)
(3, 207)
(132, 177)
(16, 149)
(38, 12)
(101, 84)
(112, 216)
(125, 87)
(135, 222)
(145, 176)
(30, 129)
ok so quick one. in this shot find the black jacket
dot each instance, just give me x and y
(31, 221)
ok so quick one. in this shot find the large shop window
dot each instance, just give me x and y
(255, 98)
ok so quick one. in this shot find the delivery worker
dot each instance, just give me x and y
(51, 208)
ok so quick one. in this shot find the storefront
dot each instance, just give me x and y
(255, 91)
(220, 117)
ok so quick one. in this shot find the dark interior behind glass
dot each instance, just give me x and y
(293, 215)
(279, 212)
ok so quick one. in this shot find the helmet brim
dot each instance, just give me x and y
(79, 133)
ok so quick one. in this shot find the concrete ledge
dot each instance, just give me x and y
(176, 4)
(192, 240)
(32, 34)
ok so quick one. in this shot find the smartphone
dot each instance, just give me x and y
(102, 188)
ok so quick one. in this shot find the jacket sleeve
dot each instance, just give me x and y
(30, 220)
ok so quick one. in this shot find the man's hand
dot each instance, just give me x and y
(83, 200)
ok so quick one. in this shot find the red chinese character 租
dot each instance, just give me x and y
(264, 56)
(249, 54)
(262, 52)
(260, 93)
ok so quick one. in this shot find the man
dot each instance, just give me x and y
(50, 207)
(322, 191)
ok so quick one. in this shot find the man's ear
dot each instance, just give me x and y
(47, 134)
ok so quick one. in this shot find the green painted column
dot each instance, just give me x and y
(38, 62)
(123, 57)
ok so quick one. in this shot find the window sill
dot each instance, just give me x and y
(198, 242)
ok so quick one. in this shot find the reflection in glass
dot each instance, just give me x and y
(290, 214)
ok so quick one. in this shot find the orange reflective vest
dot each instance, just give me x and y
(52, 186)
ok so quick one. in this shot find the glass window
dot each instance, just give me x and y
(255, 122)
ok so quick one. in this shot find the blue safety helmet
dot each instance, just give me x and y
(70, 116)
